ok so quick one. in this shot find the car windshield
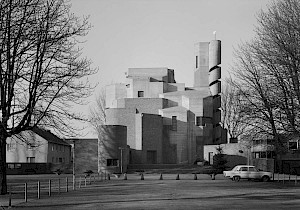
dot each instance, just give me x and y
(235, 168)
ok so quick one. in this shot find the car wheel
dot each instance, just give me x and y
(236, 178)
(265, 178)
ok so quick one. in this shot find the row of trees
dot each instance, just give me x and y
(262, 99)
(42, 73)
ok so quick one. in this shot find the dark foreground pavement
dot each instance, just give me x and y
(169, 193)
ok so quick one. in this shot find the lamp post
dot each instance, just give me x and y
(121, 165)
(74, 178)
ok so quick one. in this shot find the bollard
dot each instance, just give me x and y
(79, 182)
(25, 192)
(278, 177)
(85, 181)
(213, 176)
(94, 178)
(74, 182)
(9, 200)
(289, 177)
(108, 176)
(142, 176)
(105, 175)
(58, 186)
(161, 177)
(195, 177)
(67, 184)
(49, 188)
(273, 176)
(90, 179)
(177, 178)
(38, 190)
(125, 176)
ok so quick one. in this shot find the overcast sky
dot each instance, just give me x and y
(162, 33)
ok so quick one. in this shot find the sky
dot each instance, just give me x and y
(160, 33)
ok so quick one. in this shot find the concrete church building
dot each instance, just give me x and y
(152, 119)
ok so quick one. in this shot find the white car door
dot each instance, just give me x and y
(243, 172)
(253, 173)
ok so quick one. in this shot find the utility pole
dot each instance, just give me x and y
(121, 165)
(74, 178)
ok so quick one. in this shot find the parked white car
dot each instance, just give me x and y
(247, 172)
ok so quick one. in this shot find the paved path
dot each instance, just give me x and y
(169, 193)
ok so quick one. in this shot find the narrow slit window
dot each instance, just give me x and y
(174, 123)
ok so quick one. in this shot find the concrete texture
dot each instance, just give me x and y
(186, 193)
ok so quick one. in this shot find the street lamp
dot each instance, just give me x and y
(121, 167)
(74, 178)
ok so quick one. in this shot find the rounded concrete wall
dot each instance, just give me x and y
(112, 138)
(215, 84)
(214, 53)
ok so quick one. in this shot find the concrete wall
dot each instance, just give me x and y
(114, 92)
(237, 153)
(201, 64)
(152, 136)
(146, 105)
(157, 74)
(125, 117)
(181, 137)
(112, 139)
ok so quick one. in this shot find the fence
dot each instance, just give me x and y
(23, 191)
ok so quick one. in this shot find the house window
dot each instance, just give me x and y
(264, 154)
(11, 166)
(198, 121)
(11, 146)
(30, 159)
(60, 160)
(30, 146)
(140, 94)
(293, 145)
(174, 123)
(112, 162)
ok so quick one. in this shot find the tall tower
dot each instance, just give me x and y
(207, 74)
(215, 87)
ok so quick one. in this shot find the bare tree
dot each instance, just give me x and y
(41, 72)
(97, 116)
(232, 117)
(267, 74)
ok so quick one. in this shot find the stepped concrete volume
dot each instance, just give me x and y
(152, 119)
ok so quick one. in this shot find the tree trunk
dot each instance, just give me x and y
(3, 181)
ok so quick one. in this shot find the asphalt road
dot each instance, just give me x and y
(169, 193)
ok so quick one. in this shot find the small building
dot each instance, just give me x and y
(37, 148)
